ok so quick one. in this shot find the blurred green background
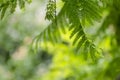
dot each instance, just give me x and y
(18, 61)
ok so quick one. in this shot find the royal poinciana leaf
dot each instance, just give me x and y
(72, 15)
(11, 5)
(51, 10)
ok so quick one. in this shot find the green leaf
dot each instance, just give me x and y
(80, 43)
(3, 12)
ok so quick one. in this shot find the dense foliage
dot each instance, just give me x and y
(78, 31)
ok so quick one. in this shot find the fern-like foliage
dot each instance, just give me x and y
(11, 5)
(73, 15)
(51, 10)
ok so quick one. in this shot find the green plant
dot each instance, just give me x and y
(74, 15)
(73, 18)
